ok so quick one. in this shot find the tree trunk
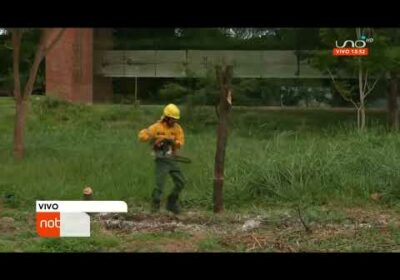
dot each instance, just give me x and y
(361, 110)
(19, 129)
(362, 113)
(225, 103)
(393, 111)
(22, 98)
(19, 102)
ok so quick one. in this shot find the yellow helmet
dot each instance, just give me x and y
(172, 111)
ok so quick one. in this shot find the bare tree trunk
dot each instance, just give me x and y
(393, 111)
(22, 98)
(361, 123)
(19, 129)
(362, 112)
(225, 103)
(19, 112)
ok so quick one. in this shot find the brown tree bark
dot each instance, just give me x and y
(19, 111)
(224, 77)
(22, 98)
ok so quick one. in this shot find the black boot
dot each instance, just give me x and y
(172, 204)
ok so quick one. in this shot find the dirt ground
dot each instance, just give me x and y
(251, 233)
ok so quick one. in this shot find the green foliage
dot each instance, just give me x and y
(210, 245)
(280, 159)
(217, 38)
(54, 109)
(252, 92)
(375, 62)
(272, 157)
(345, 71)
(29, 41)
(173, 92)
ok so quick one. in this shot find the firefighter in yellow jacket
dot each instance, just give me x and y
(166, 136)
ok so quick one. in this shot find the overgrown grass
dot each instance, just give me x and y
(273, 157)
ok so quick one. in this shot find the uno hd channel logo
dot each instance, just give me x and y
(353, 48)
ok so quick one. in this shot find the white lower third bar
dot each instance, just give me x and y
(81, 206)
(74, 225)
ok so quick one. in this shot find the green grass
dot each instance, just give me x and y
(273, 158)
(95, 243)
(370, 240)
(210, 245)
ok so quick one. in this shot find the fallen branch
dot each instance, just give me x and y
(255, 238)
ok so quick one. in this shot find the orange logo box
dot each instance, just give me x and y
(350, 52)
(48, 224)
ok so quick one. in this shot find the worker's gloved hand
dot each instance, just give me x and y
(158, 143)
(164, 144)
(169, 141)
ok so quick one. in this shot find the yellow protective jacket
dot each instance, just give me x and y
(160, 131)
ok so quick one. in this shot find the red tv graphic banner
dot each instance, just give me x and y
(350, 52)
(70, 218)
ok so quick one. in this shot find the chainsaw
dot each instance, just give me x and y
(164, 147)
